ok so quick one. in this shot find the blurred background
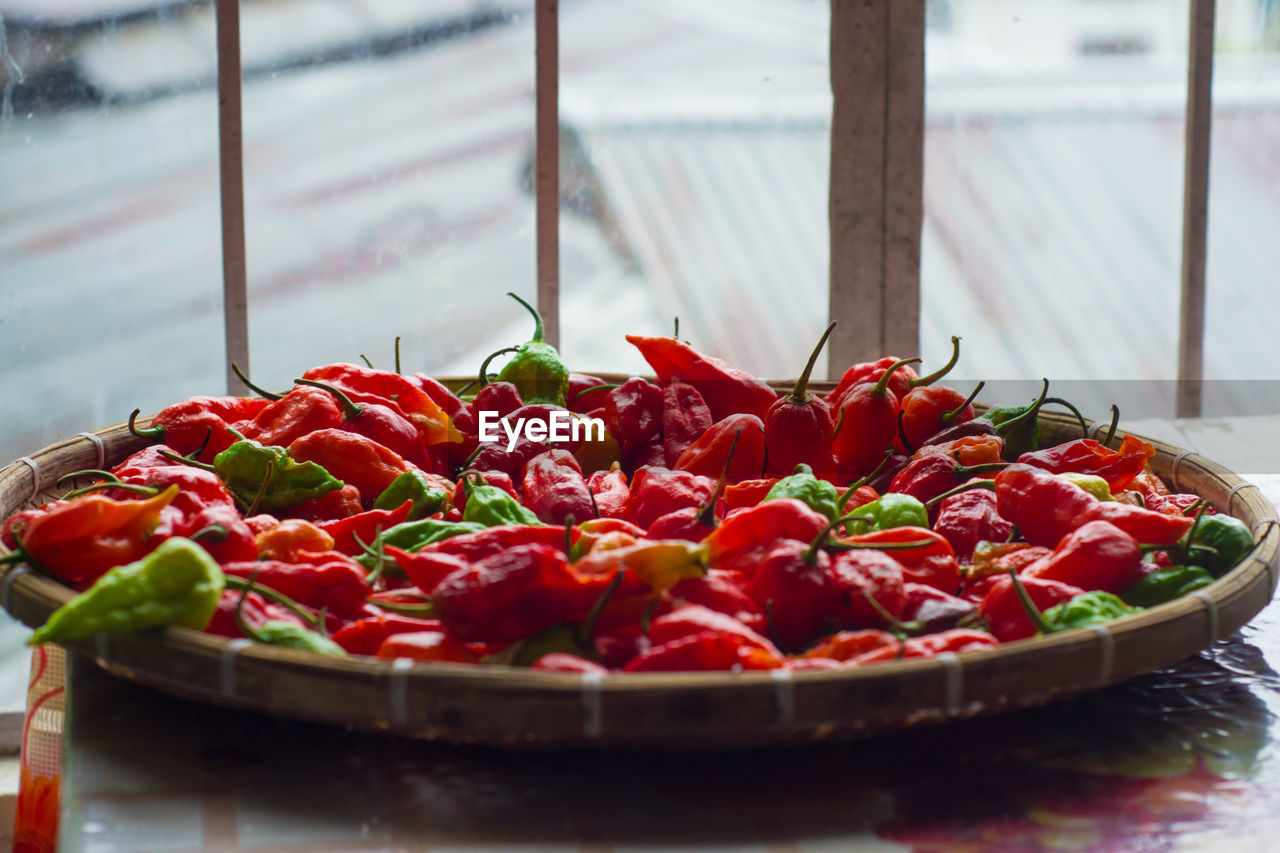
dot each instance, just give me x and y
(388, 148)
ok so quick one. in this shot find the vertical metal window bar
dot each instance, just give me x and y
(547, 164)
(235, 298)
(1195, 210)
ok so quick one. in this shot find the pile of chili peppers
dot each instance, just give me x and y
(716, 526)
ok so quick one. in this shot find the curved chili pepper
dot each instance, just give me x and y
(200, 422)
(726, 389)
(1002, 609)
(657, 491)
(364, 636)
(967, 518)
(610, 495)
(1044, 506)
(403, 395)
(1086, 456)
(365, 527)
(322, 580)
(300, 412)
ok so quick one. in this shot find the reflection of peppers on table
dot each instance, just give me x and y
(176, 584)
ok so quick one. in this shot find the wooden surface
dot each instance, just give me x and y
(235, 295)
(547, 167)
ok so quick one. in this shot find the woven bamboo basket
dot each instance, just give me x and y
(513, 706)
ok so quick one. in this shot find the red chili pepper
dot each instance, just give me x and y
(340, 503)
(222, 532)
(762, 526)
(936, 469)
(871, 372)
(657, 491)
(81, 539)
(853, 577)
(868, 423)
(929, 645)
(495, 540)
(438, 392)
(847, 645)
(426, 568)
(1144, 525)
(514, 593)
(705, 652)
(355, 459)
(364, 636)
(296, 414)
(993, 559)
(927, 410)
(725, 592)
(685, 417)
(708, 455)
(933, 564)
(649, 455)
(434, 646)
(326, 580)
(633, 413)
(933, 609)
(1003, 612)
(1097, 555)
(405, 396)
(200, 422)
(586, 393)
(1086, 456)
(1044, 506)
(790, 586)
(255, 611)
(147, 457)
(198, 488)
(746, 493)
(696, 619)
(554, 488)
(378, 422)
(565, 662)
(612, 496)
(496, 457)
(366, 525)
(799, 428)
(967, 518)
(501, 398)
(726, 389)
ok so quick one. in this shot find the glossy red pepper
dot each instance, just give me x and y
(366, 526)
(586, 393)
(1144, 525)
(761, 526)
(379, 422)
(696, 619)
(1002, 609)
(935, 470)
(1086, 456)
(871, 372)
(930, 409)
(799, 427)
(438, 392)
(855, 576)
(933, 564)
(633, 413)
(790, 585)
(725, 592)
(967, 518)
(1096, 555)
(847, 645)
(200, 422)
(705, 652)
(707, 456)
(565, 662)
(685, 417)
(405, 396)
(746, 493)
(300, 412)
(355, 459)
(726, 389)
(658, 491)
(255, 611)
(495, 540)
(325, 580)
(611, 493)
(929, 645)
(1044, 506)
(364, 636)
(867, 425)
(554, 489)
(429, 646)
(340, 503)
(934, 610)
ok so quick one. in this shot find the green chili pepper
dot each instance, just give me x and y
(1218, 542)
(269, 477)
(892, 510)
(1166, 584)
(536, 369)
(176, 584)
(277, 632)
(818, 495)
(412, 486)
(490, 506)
(1087, 608)
(412, 535)
(1091, 483)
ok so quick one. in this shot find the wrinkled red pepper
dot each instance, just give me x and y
(726, 389)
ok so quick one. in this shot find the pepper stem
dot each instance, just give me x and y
(367, 362)
(811, 553)
(262, 489)
(182, 460)
(675, 333)
(398, 370)
(1033, 612)
(949, 417)
(245, 628)
(882, 384)
(537, 318)
(902, 433)
(963, 487)
(862, 481)
(1115, 422)
(208, 434)
(707, 512)
(148, 491)
(963, 471)
(1084, 427)
(261, 392)
(799, 393)
(902, 629)
(270, 595)
(484, 365)
(609, 385)
(154, 433)
(1029, 412)
(350, 409)
(942, 371)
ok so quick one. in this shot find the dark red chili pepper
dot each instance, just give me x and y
(726, 389)
(790, 586)
(611, 495)
(935, 470)
(633, 413)
(1044, 506)
(198, 488)
(658, 491)
(932, 609)
(927, 410)
(255, 611)
(762, 526)
(798, 428)
(501, 398)
(426, 568)
(696, 619)
(222, 532)
(586, 393)
(685, 417)
(705, 652)
(725, 592)
(495, 540)
(554, 488)
(967, 518)
(853, 577)
(871, 372)
(365, 526)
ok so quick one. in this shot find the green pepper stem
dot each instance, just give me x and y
(1033, 612)
(153, 433)
(675, 333)
(799, 393)
(646, 618)
(1115, 422)
(367, 362)
(537, 318)
(245, 628)
(862, 481)
(261, 392)
(250, 585)
(398, 370)
(811, 553)
(963, 487)
(1030, 411)
(608, 385)
(424, 609)
(87, 472)
(963, 471)
(839, 423)
(949, 417)
(182, 460)
(134, 488)
(882, 384)
(484, 365)
(902, 433)
(213, 533)
(909, 545)
(350, 409)
(897, 625)
(262, 489)
(707, 512)
(942, 371)
(1067, 404)
(586, 632)
(208, 434)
